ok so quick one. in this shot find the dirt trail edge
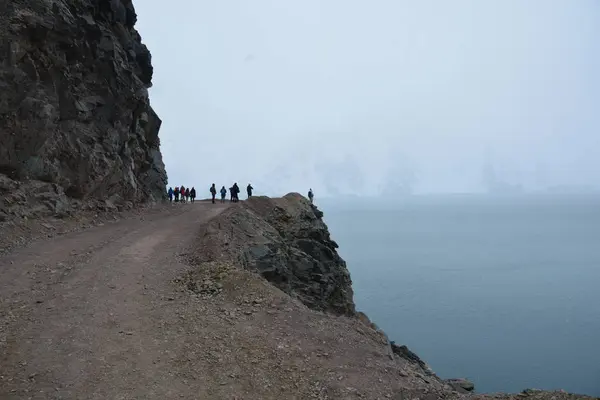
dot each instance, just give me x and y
(88, 315)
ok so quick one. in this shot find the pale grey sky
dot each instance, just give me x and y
(347, 95)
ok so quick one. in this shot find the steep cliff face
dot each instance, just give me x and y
(75, 119)
(287, 242)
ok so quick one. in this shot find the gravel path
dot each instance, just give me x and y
(87, 315)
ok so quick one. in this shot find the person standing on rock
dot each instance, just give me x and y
(193, 194)
(213, 192)
(176, 193)
(187, 195)
(223, 194)
(231, 194)
(236, 192)
(170, 193)
(249, 189)
(311, 196)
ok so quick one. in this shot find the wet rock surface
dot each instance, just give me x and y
(76, 124)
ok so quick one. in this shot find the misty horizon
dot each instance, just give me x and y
(386, 97)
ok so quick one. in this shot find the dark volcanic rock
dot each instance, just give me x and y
(461, 385)
(74, 108)
(285, 241)
(404, 352)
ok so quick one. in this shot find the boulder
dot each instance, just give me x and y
(461, 385)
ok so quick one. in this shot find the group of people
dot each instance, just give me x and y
(234, 192)
(182, 194)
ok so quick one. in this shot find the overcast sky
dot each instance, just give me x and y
(356, 96)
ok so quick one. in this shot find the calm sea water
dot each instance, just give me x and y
(505, 292)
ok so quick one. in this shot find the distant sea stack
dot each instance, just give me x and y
(76, 126)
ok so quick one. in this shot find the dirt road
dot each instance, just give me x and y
(91, 314)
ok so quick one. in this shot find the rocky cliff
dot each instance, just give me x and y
(76, 125)
(286, 241)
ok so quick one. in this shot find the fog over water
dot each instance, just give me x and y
(349, 96)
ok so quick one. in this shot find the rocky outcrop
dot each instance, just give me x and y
(461, 385)
(286, 241)
(75, 120)
(405, 353)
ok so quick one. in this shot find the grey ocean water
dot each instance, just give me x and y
(503, 291)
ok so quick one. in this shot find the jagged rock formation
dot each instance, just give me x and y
(75, 120)
(287, 242)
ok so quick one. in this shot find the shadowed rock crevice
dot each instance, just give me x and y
(74, 109)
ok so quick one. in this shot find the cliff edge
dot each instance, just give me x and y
(76, 125)
(286, 242)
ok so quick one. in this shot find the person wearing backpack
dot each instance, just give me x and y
(223, 194)
(193, 194)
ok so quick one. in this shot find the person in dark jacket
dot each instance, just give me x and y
(223, 194)
(182, 193)
(176, 193)
(170, 193)
(187, 195)
(193, 194)
(236, 192)
(213, 192)
(311, 196)
(249, 189)
(231, 195)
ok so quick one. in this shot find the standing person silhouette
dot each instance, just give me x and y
(236, 192)
(223, 194)
(193, 194)
(213, 192)
(249, 189)
(311, 195)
